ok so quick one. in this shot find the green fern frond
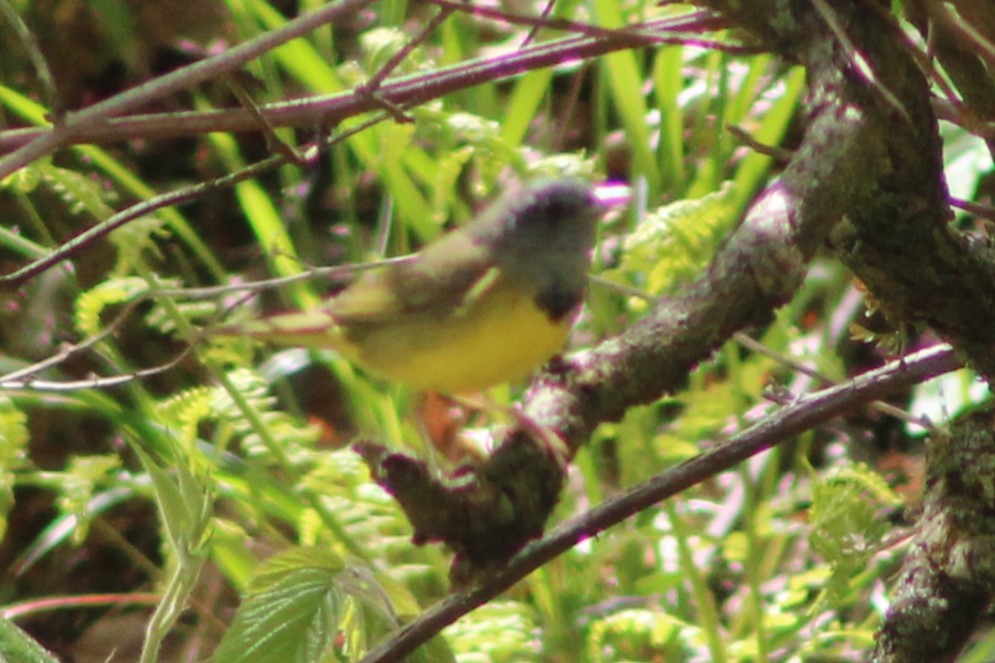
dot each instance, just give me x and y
(864, 479)
(14, 439)
(297, 440)
(639, 634)
(81, 479)
(185, 410)
(135, 238)
(365, 510)
(91, 304)
(160, 317)
(497, 631)
(80, 192)
(847, 516)
(674, 243)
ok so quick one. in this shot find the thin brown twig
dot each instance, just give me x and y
(880, 406)
(371, 87)
(403, 92)
(23, 379)
(178, 197)
(687, 25)
(534, 32)
(77, 123)
(744, 137)
(965, 118)
(984, 211)
(333, 271)
(924, 59)
(95, 382)
(14, 611)
(950, 17)
(24, 375)
(273, 142)
(857, 59)
(35, 56)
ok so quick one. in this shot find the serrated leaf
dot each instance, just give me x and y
(276, 568)
(292, 611)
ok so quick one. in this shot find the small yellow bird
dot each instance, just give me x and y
(486, 304)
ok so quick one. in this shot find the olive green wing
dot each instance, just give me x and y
(440, 281)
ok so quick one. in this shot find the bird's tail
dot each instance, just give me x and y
(309, 329)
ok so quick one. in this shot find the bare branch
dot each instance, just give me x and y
(74, 125)
(401, 92)
(804, 414)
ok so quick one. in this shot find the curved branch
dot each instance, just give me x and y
(948, 578)
(805, 413)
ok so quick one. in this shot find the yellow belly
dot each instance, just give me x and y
(499, 339)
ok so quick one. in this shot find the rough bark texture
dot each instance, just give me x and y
(947, 581)
(896, 237)
(958, 50)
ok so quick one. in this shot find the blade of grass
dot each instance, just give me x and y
(624, 80)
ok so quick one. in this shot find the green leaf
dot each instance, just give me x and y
(529, 92)
(184, 502)
(292, 612)
(16, 646)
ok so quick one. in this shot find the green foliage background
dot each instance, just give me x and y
(783, 559)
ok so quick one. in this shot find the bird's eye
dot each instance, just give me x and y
(556, 209)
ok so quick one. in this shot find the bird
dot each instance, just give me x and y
(485, 304)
